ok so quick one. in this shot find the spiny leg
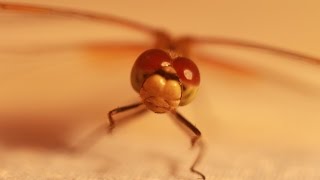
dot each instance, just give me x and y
(117, 110)
(85, 143)
(194, 140)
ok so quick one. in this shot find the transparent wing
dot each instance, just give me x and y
(259, 89)
(59, 68)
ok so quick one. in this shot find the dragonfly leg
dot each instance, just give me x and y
(90, 139)
(194, 140)
(117, 110)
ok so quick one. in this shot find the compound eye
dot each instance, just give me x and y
(187, 71)
(146, 64)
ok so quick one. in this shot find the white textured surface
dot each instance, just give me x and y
(114, 160)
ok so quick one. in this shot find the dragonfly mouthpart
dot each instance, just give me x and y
(161, 95)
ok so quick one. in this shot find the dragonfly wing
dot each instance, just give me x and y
(60, 73)
(261, 61)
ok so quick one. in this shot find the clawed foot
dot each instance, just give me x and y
(202, 176)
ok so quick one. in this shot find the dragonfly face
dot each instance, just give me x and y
(163, 81)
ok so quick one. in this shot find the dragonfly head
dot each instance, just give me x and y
(163, 81)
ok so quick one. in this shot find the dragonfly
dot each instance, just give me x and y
(163, 74)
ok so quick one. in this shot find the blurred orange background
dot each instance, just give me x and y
(57, 86)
